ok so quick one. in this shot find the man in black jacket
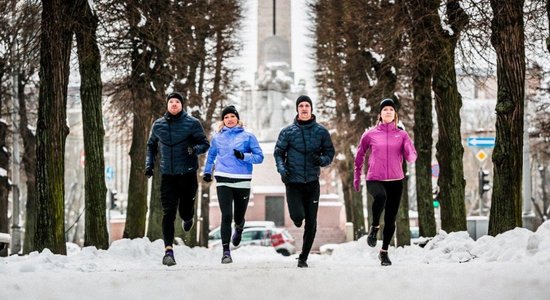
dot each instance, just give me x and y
(180, 139)
(301, 150)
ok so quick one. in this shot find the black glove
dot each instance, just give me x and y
(148, 172)
(284, 177)
(317, 159)
(191, 150)
(238, 154)
(207, 177)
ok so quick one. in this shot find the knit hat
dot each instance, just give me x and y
(301, 99)
(387, 102)
(230, 110)
(174, 95)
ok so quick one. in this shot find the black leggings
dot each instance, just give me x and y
(177, 193)
(387, 195)
(303, 203)
(227, 198)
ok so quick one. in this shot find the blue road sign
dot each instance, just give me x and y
(487, 142)
(109, 173)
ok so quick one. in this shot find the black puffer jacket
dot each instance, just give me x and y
(175, 134)
(296, 147)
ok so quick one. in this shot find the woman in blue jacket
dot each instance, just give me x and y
(231, 155)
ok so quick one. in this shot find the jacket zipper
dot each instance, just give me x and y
(387, 153)
(305, 154)
(171, 148)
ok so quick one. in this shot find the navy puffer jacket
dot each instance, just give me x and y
(174, 135)
(296, 147)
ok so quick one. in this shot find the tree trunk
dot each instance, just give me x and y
(154, 226)
(29, 166)
(548, 18)
(4, 180)
(55, 47)
(149, 75)
(353, 200)
(5, 165)
(448, 102)
(90, 94)
(423, 126)
(403, 227)
(137, 189)
(507, 38)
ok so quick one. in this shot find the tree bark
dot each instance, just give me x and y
(154, 227)
(29, 166)
(91, 97)
(422, 23)
(403, 228)
(137, 189)
(548, 18)
(4, 180)
(149, 75)
(508, 39)
(353, 200)
(55, 47)
(448, 102)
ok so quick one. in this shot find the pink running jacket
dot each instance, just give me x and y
(388, 145)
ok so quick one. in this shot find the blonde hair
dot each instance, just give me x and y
(221, 125)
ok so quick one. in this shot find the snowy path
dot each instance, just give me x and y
(514, 265)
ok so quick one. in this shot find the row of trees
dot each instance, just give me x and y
(151, 47)
(365, 51)
(407, 50)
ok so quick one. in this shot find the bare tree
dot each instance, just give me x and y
(91, 97)
(5, 41)
(55, 47)
(357, 67)
(184, 45)
(448, 102)
(509, 42)
(423, 17)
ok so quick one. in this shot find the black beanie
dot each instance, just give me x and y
(230, 110)
(174, 95)
(387, 102)
(301, 99)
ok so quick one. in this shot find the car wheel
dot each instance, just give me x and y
(284, 252)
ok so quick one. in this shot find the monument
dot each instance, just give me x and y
(269, 104)
(266, 106)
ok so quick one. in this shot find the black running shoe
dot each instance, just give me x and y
(236, 238)
(226, 258)
(384, 258)
(168, 259)
(187, 225)
(371, 238)
(302, 263)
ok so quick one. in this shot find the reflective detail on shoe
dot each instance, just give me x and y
(226, 258)
(168, 260)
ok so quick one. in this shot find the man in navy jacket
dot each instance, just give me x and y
(179, 138)
(301, 150)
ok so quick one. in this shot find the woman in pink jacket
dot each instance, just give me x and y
(387, 145)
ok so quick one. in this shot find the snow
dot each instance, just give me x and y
(512, 265)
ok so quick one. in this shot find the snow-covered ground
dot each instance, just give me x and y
(513, 265)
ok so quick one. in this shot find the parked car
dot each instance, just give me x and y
(278, 238)
(215, 234)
